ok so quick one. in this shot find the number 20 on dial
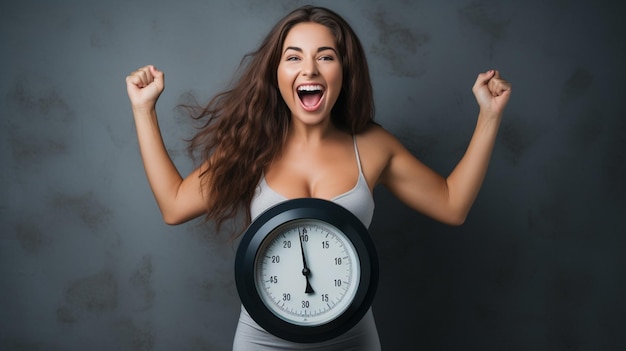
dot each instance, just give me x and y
(307, 273)
(306, 270)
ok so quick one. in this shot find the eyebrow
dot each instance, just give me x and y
(320, 49)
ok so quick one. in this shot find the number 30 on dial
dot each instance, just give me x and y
(306, 270)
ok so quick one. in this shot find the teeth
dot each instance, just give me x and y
(310, 88)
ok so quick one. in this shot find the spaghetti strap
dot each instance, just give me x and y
(356, 152)
(364, 336)
(358, 200)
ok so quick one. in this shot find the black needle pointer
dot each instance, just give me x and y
(305, 271)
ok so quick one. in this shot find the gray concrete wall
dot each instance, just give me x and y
(87, 264)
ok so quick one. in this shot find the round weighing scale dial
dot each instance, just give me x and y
(306, 270)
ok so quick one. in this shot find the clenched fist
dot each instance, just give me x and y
(144, 87)
(492, 92)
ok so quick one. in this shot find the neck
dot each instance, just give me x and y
(310, 135)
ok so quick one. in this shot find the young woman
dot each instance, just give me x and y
(299, 123)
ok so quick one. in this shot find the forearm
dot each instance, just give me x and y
(449, 199)
(163, 177)
(467, 177)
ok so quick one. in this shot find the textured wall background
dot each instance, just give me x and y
(86, 262)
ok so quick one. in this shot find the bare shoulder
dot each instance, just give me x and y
(377, 147)
(378, 138)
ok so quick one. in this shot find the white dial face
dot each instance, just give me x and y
(307, 272)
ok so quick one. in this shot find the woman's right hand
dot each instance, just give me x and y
(144, 87)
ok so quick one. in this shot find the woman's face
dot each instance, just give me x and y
(310, 73)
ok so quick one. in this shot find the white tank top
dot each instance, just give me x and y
(358, 200)
(364, 336)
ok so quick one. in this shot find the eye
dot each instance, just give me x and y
(327, 58)
(292, 58)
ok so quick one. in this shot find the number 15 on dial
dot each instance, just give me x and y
(308, 273)
(306, 270)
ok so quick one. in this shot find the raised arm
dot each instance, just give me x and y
(450, 199)
(178, 199)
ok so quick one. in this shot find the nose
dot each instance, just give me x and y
(309, 68)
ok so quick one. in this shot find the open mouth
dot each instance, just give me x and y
(310, 96)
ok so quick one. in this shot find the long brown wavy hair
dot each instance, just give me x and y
(244, 128)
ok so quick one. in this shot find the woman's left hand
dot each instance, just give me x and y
(492, 92)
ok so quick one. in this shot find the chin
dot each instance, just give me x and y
(311, 118)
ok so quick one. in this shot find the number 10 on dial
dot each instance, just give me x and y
(308, 273)
(306, 270)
